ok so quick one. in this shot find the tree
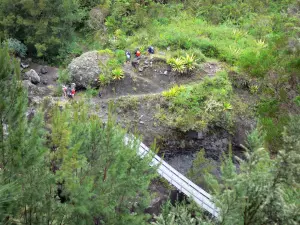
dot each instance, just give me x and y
(260, 191)
(23, 163)
(181, 214)
(44, 26)
(102, 178)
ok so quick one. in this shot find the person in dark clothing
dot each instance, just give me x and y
(151, 50)
(69, 92)
(128, 56)
(99, 94)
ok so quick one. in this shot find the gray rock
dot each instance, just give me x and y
(84, 70)
(36, 100)
(25, 76)
(44, 70)
(225, 141)
(33, 90)
(55, 78)
(24, 65)
(166, 72)
(200, 135)
(33, 76)
(135, 63)
(142, 122)
(45, 81)
(141, 69)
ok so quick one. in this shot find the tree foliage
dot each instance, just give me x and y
(44, 25)
(263, 190)
(82, 172)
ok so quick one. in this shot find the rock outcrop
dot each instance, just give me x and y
(33, 76)
(33, 90)
(85, 70)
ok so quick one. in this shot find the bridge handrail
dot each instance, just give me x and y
(186, 186)
(196, 187)
(205, 202)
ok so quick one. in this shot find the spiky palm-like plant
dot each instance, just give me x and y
(189, 61)
(117, 74)
(177, 64)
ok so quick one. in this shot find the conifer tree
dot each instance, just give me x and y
(257, 193)
(43, 25)
(102, 177)
(22, 153)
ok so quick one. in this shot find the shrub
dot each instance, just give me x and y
(189, 61)
(195, 106)
(177, 64)
(16, 47)
(91, 92)
(209, 50)
(174, 91)
(63, 76)
(111, 70)
(297, 100)
(103, 80)
(120, 55)
(182, 64)
(257, 63)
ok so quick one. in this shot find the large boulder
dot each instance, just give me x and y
(85, 70)
(33, 76)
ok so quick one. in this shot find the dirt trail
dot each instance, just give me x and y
(128, 70)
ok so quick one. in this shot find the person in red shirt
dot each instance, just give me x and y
(137, 53)
(73, 92)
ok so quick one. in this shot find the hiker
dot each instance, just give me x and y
(69, 92)
(73, 92)
(128, 56)
(64, 88)
(151, 50)
(137, 53)
(99, 94)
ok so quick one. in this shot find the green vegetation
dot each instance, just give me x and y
(111, 69)
(44, 26)
(78, 171)
(182, 64)
(181, 214)
(16, 47)
(261, 190)
(117, 74)
(64, 175)
(194, 107)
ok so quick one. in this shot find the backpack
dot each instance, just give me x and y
(151, 50)
(138, 53)
(128, 55)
